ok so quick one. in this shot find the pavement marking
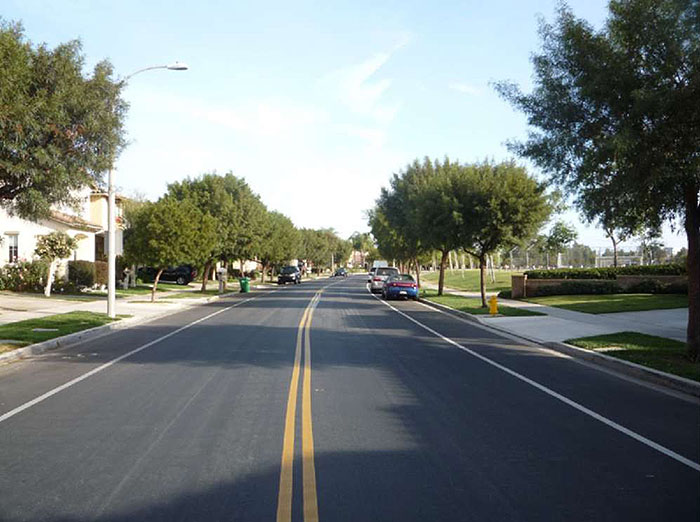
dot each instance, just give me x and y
(636, 436)
(106, 365)
(307, 440)
(284, 498)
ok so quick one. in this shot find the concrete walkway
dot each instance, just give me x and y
(559, 324)
(18, 307)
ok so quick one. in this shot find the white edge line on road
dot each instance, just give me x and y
(106, 365)
(552, 393)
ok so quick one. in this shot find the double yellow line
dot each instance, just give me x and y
(284, 500)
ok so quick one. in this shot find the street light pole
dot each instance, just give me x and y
(112, 210)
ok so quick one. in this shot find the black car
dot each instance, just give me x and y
(289, 274)
(182, 275)
(341, 272)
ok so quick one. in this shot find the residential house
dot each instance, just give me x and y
(87, 223)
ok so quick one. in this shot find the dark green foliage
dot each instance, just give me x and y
(616, 120)
(60, 130)
(81, 273)
(576, 288)
(505, 294)
(101, 273)
(607, 272)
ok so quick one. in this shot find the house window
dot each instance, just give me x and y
(14, 248)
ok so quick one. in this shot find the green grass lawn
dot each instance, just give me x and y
(469, 280)
(471, 305)
(667, 355)
(60, 324)
(610, 303)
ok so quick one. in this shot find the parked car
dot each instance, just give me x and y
(289, 274)
(402, 285)
(341, 272)
(182, 275)
(371, 273)
(382, 274)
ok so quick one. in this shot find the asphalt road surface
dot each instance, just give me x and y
(320, 402)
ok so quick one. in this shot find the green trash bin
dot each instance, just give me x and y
(245, 284)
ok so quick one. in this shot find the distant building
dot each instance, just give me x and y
(622, 260)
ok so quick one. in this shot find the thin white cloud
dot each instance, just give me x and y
(465, 88)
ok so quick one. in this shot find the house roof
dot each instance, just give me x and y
(74, 221)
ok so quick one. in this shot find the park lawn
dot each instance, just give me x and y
(667, 355)
(469, 280)
(471, 305)
(60, 324)
(611, 303)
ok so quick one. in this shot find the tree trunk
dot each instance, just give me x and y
(482, 273)
(614, 242)
(132, 277)
(692, 230)
(449, 256)
(155, 285)
(527, 259)
(49, 278)
(262, 275)
(443, 262)
(417, 272)
(205, 276)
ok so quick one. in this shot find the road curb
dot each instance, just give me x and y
(97, 332)
(621, 366)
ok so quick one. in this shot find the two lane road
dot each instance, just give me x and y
(320, 402)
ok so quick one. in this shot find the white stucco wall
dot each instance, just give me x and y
(27, 231)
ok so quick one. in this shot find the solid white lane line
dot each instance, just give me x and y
(106, 365)
(636, 436)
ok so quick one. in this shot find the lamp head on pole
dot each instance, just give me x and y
(177, 66)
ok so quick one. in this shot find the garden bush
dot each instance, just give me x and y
(101, 275)
(576, 288)
(81, 273)
(25, 276)
(607, 272)
(505, 294)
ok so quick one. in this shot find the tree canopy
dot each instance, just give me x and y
(616, 118)
(60, 130)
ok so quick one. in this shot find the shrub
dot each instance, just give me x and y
(576, 288)
(674, 288)
(25, 276)
(607, 272)
(81, 273)
(646, 286)
(101, 275)
(505, 294)
(252, 275)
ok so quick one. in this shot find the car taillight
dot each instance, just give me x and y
(377, 279)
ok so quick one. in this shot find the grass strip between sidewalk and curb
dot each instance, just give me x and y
(613, 303)
(23, 333)
(659, 353)
(471, 305)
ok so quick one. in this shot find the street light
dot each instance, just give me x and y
(111, 213)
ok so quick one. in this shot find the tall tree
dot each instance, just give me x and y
(280, 243)
(169, 233)
(616, 112)
(210, 195)
(500, 207)
(558, 238)
(60, 130)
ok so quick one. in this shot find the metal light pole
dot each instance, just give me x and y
(112, 211)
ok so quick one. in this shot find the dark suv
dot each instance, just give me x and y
(182, 275)
(289, 274)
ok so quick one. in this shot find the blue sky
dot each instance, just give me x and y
(315, 104)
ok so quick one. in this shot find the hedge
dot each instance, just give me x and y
(607, 272)
(101, 273)
(81, 273)
(576, 288)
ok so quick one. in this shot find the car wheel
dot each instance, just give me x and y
(181, 280)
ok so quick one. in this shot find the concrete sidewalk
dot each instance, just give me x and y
(559, 324)
(19, 307)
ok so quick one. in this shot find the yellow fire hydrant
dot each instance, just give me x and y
(493, 305)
